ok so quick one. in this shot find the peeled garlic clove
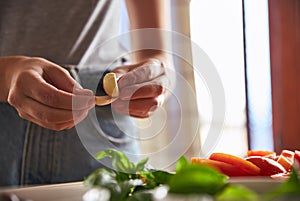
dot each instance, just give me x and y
(104, 100)
(110, 85)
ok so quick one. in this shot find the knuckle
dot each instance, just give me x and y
(42, 116)
(20, 79)
(22, 115)
(64, 71)
(14, 100)
(18, 82)
(85, 114)
(37, 59)
(33, 60)
(78, 115)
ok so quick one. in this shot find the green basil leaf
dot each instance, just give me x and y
(101, 177)
(124, 189)
(120, 161)
(122, 176)
(196, 179)
(182, 162)
(237, 193)
(140, 166)
(162, 177)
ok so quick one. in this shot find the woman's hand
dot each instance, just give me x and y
(143, 87)
(43, 92)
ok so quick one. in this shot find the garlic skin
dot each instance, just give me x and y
(110, 85)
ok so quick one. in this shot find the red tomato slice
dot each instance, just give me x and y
(288, 154)
(268, 154)
(222, 167)
(285, 162)
(267, 166)
(237, 162)
(297, 156)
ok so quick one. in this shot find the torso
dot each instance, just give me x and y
(52, 28)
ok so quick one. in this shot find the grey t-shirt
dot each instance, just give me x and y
(59, 30)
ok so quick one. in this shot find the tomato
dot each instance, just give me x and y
(286, 159)
(268, 154)
(297, 156)
(267, 166)
(257, 163)
(285, 162)
(237, 162)
(288, 154)
(222, 167)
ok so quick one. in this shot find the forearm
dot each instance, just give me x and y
(3, 93)
(152, 14)
(148, 14)
(5, 71)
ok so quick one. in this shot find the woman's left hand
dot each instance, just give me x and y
(143, 87)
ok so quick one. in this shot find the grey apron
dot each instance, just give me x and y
(31, 154)
(62, 32)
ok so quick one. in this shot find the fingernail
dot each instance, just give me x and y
(77, 85)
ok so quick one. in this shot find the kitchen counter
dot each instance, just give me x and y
(58, 192)
(75, 191)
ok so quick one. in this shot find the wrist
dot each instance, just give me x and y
(7, 70)
(148, 54)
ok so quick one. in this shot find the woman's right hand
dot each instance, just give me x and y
(43, 92)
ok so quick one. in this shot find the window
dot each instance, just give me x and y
(217, 32)
(217, 28)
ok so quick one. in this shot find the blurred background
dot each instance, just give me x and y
(254, 46)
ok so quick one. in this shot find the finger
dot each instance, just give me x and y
(141, 108)
(59, 77)
(49, 95)
(150, 89)
(146, 72)
(141, 92)
(47, 114)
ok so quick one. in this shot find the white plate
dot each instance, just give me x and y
(257, 184)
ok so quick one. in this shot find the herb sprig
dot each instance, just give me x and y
(134, 182)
